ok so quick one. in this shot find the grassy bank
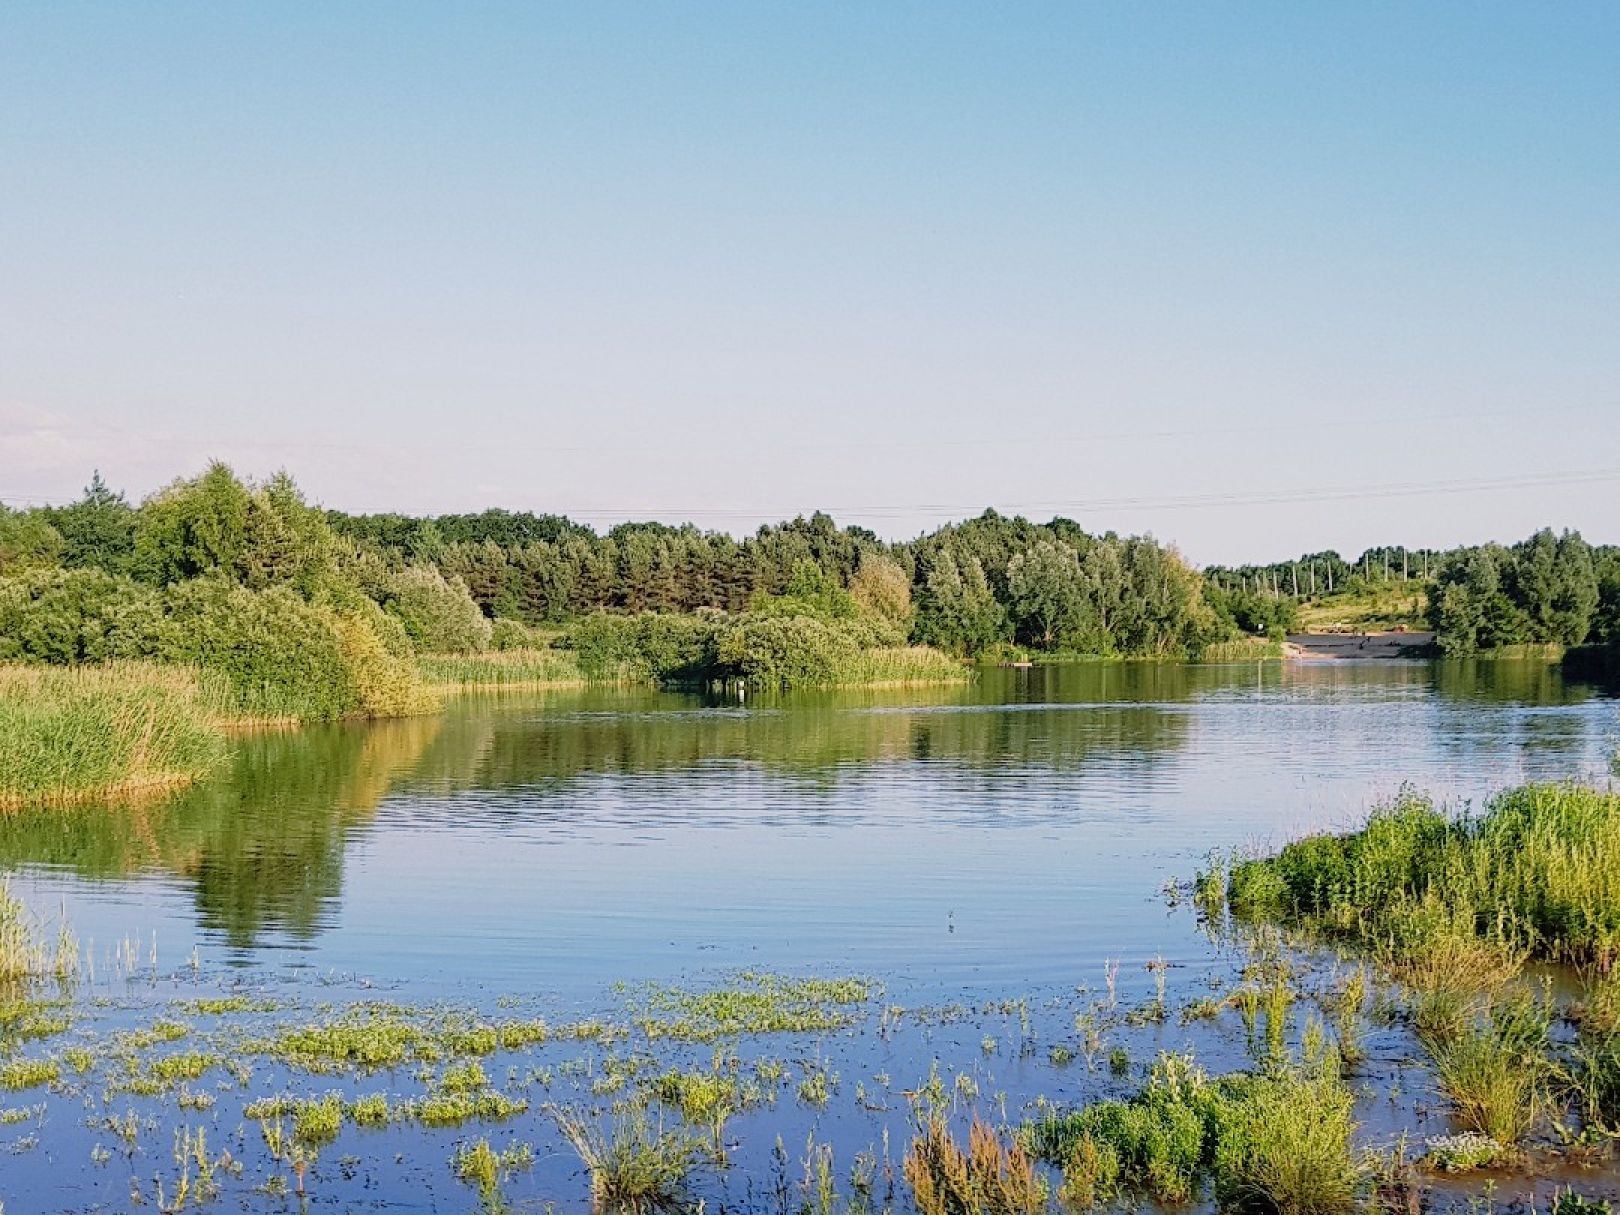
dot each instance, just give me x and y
(1538, 872)
(75, 733)
(1378, 608)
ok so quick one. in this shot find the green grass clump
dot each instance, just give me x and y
(22, 1020)
(1568, 1202)
(189, 1065)
(71, 734)
(467, 1078)
(705, 1099)
(635, 1167)
(1496, 1075)
(1538, 872)
(481, 1165)
(29, 1073)
(452, 1108)
(317, 1120)
(371, 1110)
(1279, 1139)
(368, 1041)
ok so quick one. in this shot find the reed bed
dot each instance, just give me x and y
(70, 734)
(900, 666)
(1244, 649)
(1537, 873)
(510, 669)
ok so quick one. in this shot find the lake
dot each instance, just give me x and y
(1018, 828)
(1005, 841)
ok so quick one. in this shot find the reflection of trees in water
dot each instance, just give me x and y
(262, 844)
(481, 748)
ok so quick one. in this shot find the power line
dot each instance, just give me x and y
(1332, 493)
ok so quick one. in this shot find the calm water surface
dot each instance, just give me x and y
(1015, 831)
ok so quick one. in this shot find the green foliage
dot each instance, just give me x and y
(28, 541)
(1539, 870)
(98, 531)
(644, 647)
(437, 613)
(86, 615)
(1277, 1140)
(881, 589)
(70, 734)
(810, 592)
(280, 656)
(956, 609)
(1543, 590)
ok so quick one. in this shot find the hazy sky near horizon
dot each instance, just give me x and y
(1247, 276)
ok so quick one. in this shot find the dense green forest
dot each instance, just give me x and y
(186, 574)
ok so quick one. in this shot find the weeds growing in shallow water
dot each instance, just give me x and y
(635, 1167)
(990, 1177)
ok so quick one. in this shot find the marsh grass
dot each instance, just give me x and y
(899, 666)
(1496, 1075)
(635, 1167)
(1536, 874)
(510, 670)
(988, 1177)
(1278, 1140)
(71, 734)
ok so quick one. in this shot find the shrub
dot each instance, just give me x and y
(508, 634)
(787, 651)
(68, 616)
(279, 657)
(438, 614)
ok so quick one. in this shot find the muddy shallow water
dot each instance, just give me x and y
(980, 855)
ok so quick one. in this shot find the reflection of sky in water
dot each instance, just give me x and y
(1018, 830)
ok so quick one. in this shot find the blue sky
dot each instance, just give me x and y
(1204, 270)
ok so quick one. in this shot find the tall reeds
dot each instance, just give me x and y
(72, 734)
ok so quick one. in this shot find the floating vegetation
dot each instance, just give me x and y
(755, 1004)
(29, 1073)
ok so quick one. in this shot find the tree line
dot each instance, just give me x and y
(466, 581)
(1548, 589)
